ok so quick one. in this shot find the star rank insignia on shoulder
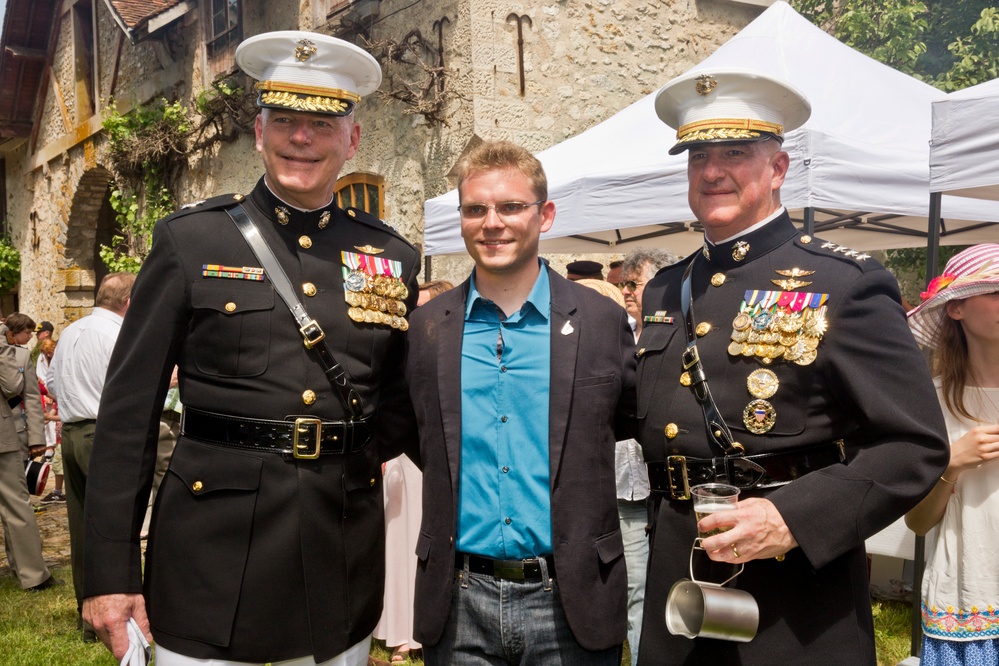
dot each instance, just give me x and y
(842, 249)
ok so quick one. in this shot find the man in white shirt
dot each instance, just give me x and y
(640, 266)
(77, 380)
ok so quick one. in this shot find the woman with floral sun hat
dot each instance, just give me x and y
(959, 321)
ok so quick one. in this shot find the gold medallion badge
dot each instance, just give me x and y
(759, 417)
(762, 383)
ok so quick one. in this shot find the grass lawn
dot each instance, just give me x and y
(39, 629)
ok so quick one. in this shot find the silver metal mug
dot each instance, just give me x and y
(698, 609)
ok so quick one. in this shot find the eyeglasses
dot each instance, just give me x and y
(505, 209)
(630, 284)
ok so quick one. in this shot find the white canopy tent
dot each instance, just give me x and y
(964, 150)
(964, 156)
(858, 167)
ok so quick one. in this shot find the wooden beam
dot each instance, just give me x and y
(14, 129)
(119, 43)
(25, 53)
(43, 84)
(59, 98)
(149, 88)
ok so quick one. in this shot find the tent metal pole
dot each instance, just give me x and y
(809, 227)
(933, 238)
(919, 551)
(427, 267)
(918, 564)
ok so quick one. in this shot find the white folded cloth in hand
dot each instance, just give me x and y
(139, 652)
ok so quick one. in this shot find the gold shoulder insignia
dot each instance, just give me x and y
(367, 249)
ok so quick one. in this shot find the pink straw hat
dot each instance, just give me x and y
(972, 272)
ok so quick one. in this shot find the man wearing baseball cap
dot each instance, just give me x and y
(780, 364)
(284, 314)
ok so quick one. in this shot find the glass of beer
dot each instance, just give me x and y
(711, 497)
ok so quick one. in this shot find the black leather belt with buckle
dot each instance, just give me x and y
(677, 474)
(305, 438)
(505, 569)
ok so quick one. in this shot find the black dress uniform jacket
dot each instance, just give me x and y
(251, 556)
(592, 405)
(868, 386)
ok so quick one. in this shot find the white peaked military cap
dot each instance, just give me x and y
(308, 71)
(728, 106)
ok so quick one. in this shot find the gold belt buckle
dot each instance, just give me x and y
(672, 464)
(302, 425)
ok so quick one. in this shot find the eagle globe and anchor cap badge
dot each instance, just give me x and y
(729, 105)
(308, 72)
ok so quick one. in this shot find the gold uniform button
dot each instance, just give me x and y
(351, 213)
(372, 482)
(702, 329)
(718, 279)
(640, 353)
(309, 289)
(304, 242)
(308, 396)
(230, 307)
(197, 486)
(237, 197)
(685, 379)
(806, 239)
(671, 430)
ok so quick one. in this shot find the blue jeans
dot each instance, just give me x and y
(634, 518)
(499, 622)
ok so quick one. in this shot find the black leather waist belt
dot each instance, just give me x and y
(677, 474)
(304, 437)
(505, 569)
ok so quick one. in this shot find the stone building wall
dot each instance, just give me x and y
(582, 62)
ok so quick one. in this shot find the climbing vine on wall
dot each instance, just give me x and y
(10, 266)
(149, 148)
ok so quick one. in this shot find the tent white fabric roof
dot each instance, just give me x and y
(964, 151)
(860, 163)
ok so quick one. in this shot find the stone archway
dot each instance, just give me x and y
(91, 223)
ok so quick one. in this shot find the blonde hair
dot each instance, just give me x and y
(495, 155)
(605, 288)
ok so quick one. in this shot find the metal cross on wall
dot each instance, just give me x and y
(520, 42)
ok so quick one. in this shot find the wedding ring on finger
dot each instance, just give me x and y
(735, 551)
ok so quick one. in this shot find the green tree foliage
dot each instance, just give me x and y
(948, 44)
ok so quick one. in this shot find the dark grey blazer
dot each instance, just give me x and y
(591, 405)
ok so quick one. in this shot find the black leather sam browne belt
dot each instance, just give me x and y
(303, 438)
(675, 475)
